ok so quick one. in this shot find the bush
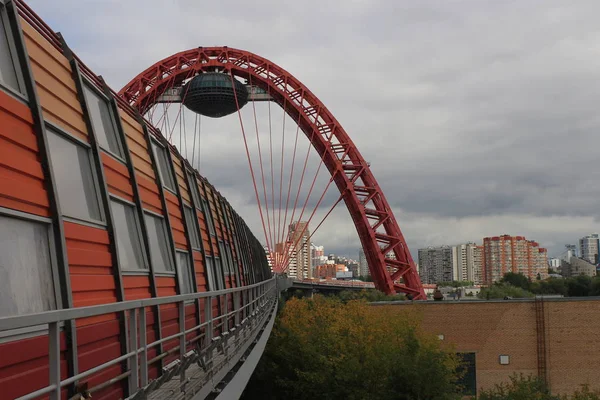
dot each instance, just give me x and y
(521, 387)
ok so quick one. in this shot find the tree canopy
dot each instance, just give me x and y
(323, 348)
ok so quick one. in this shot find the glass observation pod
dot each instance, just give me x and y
(122, 269)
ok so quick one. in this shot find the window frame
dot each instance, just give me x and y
(51, 128)
(196, 197)
(210, 272)
(195, 227)
(145, 261)
(31, 218)
(171, 272)
(210, 222)
(21, 91)
(87, 84)
(190, 271)
(156, 145)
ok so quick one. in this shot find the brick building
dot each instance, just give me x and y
(504, 337)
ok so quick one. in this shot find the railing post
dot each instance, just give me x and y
(208, 333)
(182, 341)
(236, 307)
(144, 348)
(225, 320)
(54, 359)
(133, 347)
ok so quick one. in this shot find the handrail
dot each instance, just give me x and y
(260, 295)
(24, 321)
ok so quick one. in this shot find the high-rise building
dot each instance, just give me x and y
(588, 248)
(436, 264)
(467, 262)
(363, 265)
(554, 263)
(299, 238)
(502, 254)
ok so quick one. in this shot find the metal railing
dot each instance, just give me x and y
(249, 302)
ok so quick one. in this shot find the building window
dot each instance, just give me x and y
(194, 189)
(75, 181)
(219, 273)
(164, 166)
(224, 258)
(26, 281)
(208, 217)
(467, 372)
(129, 239)
(102, 120)
(9, 71)
(184, 272)
(210, 273)
(159, 248)
(192, 226)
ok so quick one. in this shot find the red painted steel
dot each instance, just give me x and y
(373, 217)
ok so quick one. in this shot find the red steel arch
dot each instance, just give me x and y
(373, 217)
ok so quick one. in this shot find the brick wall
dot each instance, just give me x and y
(494, 328)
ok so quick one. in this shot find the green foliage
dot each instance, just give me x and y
(456, 284)
(369, 295)
(517, 280)
(502, 290)
(323, 348)
(521, 387)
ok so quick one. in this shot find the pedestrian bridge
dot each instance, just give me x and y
(216, 363)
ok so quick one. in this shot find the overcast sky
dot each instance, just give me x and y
(478, 117)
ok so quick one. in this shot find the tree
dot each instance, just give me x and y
(502, 290)
(579, 286)
(518, 280)
(323, 348)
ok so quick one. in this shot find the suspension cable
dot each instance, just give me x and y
(249, 159)
(262, 173)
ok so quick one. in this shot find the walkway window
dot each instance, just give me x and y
(129, 239)
(226, 268)
(159, 248)
(194, 189)
(192, 226)
(210, 273)
(26, 281)
(164, 166)
(208, 217)
(75, 181)
(184, 272)
(103, 121)
(9, 71)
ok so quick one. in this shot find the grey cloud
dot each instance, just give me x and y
(474, 115)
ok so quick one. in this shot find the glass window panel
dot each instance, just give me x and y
(219, 273)
(159, 248)
(224, 259)
(195, 193)
(8, 72)
(164, 166)
(104, 126)
(128, 236)
(26, 284)
(192, 226)
(208, 217)
(210, 273)
(74, 180)
(185, 272)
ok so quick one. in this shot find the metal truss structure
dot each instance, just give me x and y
(372, 215)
